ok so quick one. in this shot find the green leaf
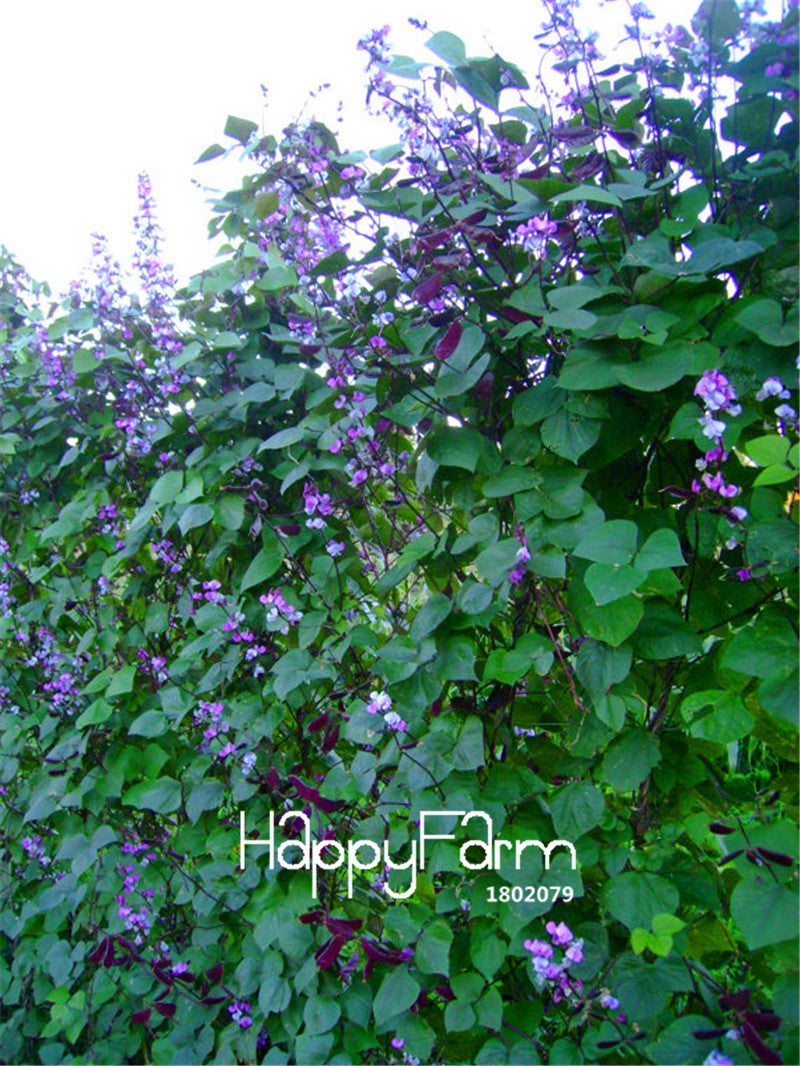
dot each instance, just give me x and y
(468, 753)
(537, 402)
(676, 1043)
(149, 724)
(162, 796)
(509, 480)
(765, 319)
(205, 796)
(459, 1017)
(508, 666)
(612, 623)
(416, 550)
(121, 681)
(321, 1014)
(397, 993)
(430, 616)
(432, 951)
(635, 897)
(229, 512)
(265, 564)
(765, 649)
(725, 718)
(447, 47)
(661, 549)
(752, 902)
(464, 447)
(575, 809)
(614, 542)
(8, 443)
(598, 667)
(495, 562)
(657, 370)
(196, 514)
(663, 634)
(283, 438)
(488, 952)
(592, 193)
(570, 434)
(212, 152)
(629, 760)
(167, 487)
(241, 129)
(95, 714)
(610, 581)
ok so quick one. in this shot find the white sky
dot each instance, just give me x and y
(93, 91)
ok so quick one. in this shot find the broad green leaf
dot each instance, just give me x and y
(663, 634)
(635, 897)
(508, 666)
(398, 991)
(149, 724)
(432, 951)
(629, 760)
(162, 796)
(196, 514)
(265, 564)
(592, 193)
(576, 808)
(716, 715)
(661, 549)
(610, 581)
(753, 901)
(121, 681)
(447, 47)
(613, 543)
(570, 434)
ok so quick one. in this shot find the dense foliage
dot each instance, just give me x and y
(464, 481)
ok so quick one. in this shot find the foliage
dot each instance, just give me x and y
(465, 481)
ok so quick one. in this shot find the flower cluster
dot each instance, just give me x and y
(547, 969)
(139, 922)
(62, 683)
(534, 234)
(317, 505)
(719, 397)
(32, 846)
(381, 703)
(240, 1013)
(280, 613)
(518, 571)
(773, 388)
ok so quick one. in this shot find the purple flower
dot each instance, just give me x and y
(716, 1058)
(712, 427)
(516, 575)
(715, 390)
(773, 70)
(609, 1001)
(539, 948)
(239, 1012)
(395, 722)
(379, 703)
(334, 548)
(560, 934)
(575, 952)
(398, 1043)
(773, 387)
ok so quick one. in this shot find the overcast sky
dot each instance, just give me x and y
(95, 91)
